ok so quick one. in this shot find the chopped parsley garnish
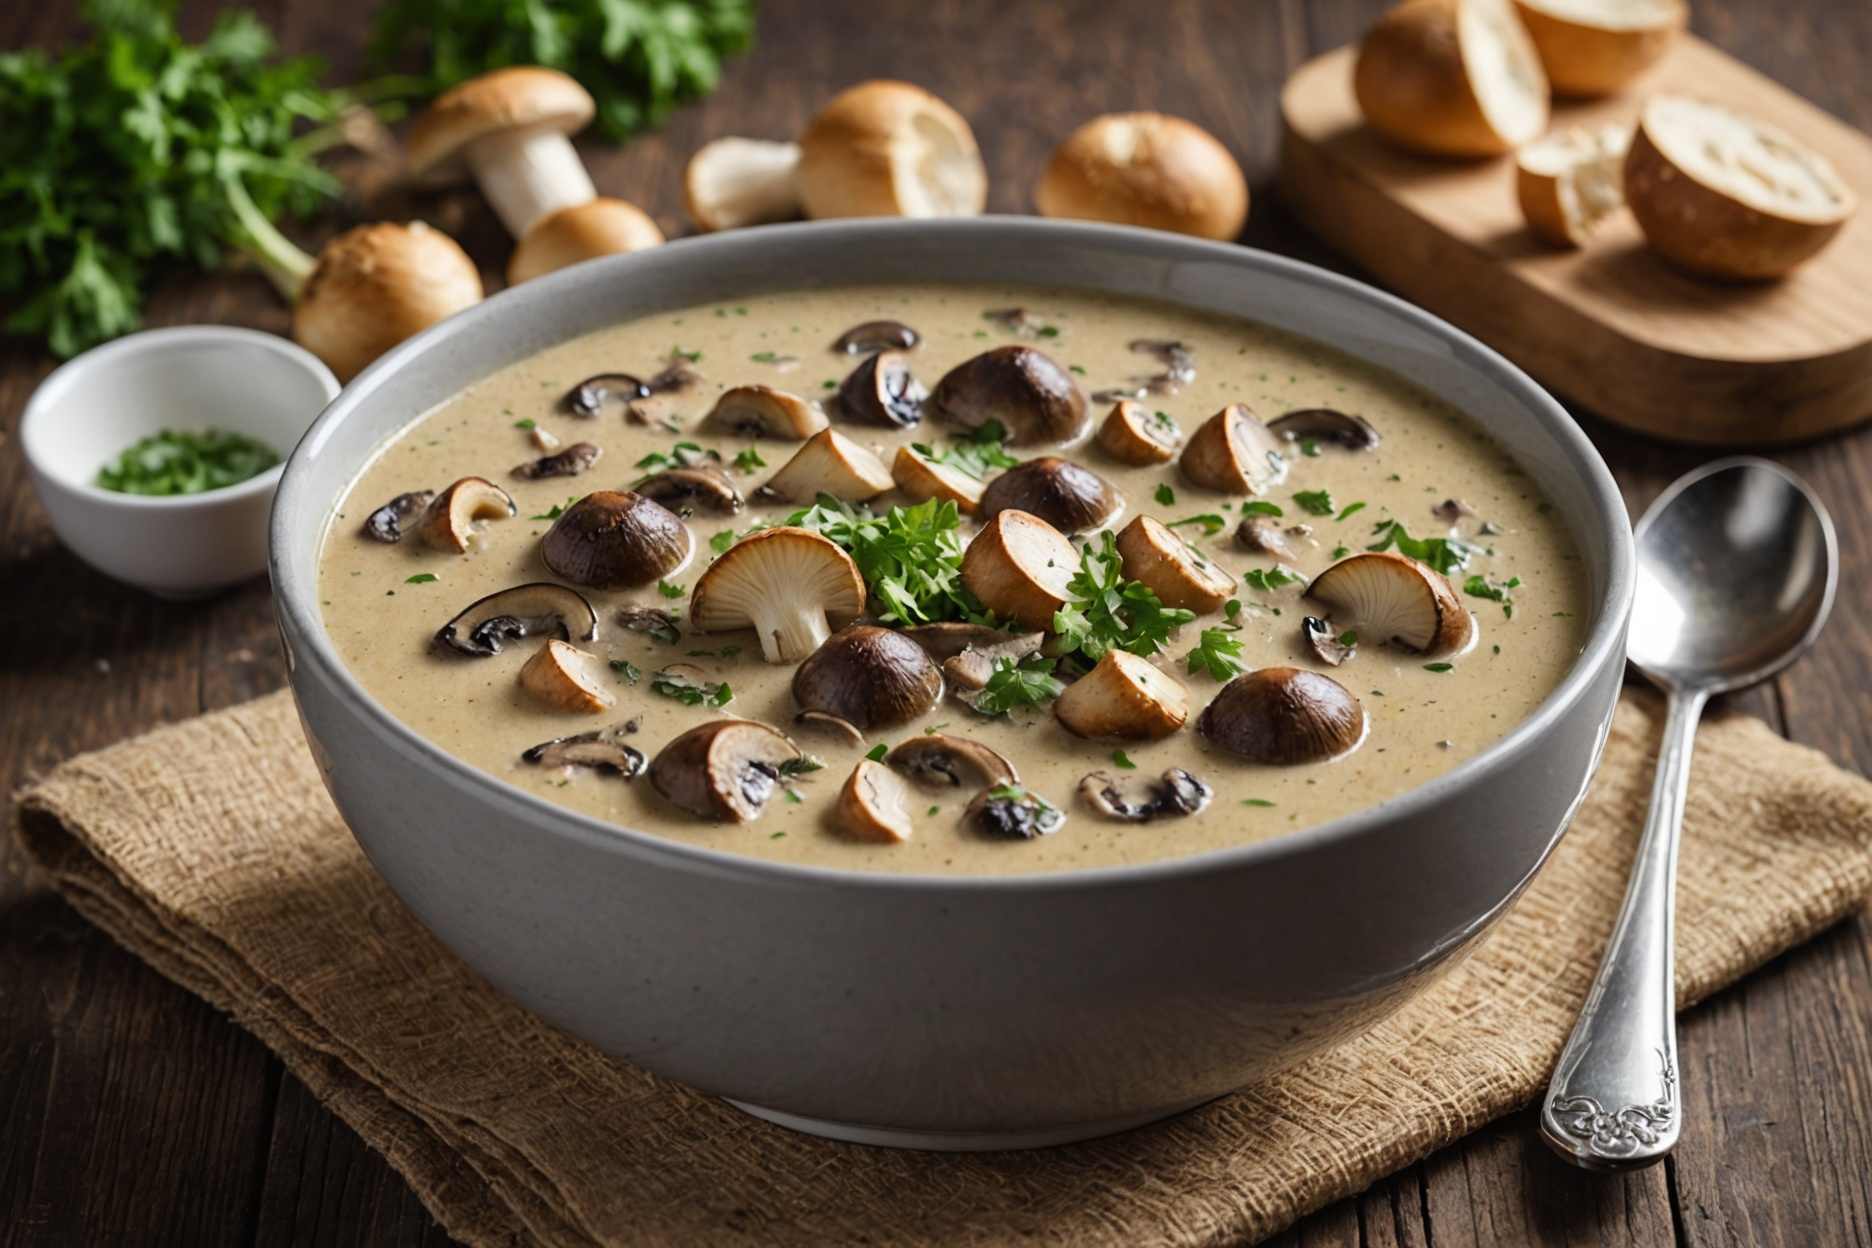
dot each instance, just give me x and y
(1217, 653)
(1166, 497)
(555, 511)
(1267, 579)
(764, 357)
(748, 460)
(722, 541)
(972, 453)
(421, 578)
(910, 557)
(1350, 509)
(1123, 760)
(627, 669)
(803, 765)
(1048, 331)
(681, 455)
(1257, 507)
(525, 422)
(670, 590)
(1231, 608)
(170, 463)
(1314, 502)
(1482, 587)
(1256, 801)
(1026, 683)
(694, 357)
(1074, 368)
(1445, 554)
(1210, 522)
(1310, 448)
(726, 652)
(1107, 612)
(1340, 552)
(688, 690)
(1348, 638)
(1438, 667)
(877, 752)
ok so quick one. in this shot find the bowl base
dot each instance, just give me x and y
(963, 1141)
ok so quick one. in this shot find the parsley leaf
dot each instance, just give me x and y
(1350, 509)
(1210, 522)
(168, 463)
(748, 460)
(670, 590)
(1026, 683)
(1165, 496)
(722, 541)
(1315, 502)
(1482, 587)
(1445, 554)
(1266, 579)
(1107, 612)
(1217, 653)
(1123, 760)
(688, 690)
(1256, 507)
(627, 669)
(910, 557)
(421, 578)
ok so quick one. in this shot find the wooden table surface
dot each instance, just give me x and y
(132, 1112)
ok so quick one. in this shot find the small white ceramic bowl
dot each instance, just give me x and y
(94, 407)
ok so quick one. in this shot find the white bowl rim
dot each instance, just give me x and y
(45, 397)
(297, 602)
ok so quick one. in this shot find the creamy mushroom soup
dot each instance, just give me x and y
(1274, 587)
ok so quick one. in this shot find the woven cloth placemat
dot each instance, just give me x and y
(210, 850)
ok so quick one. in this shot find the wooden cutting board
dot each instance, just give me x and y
(1612, 327)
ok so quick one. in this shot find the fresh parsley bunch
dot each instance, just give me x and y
(1108, 612)
(638, 58)
(910, 558)
(117, 158)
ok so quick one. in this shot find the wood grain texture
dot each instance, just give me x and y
(1610, 325)
(133, 1114)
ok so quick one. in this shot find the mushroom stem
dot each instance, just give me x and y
(528, 173)
(790, 629)
(283, 262)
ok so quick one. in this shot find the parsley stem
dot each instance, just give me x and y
(284, 263)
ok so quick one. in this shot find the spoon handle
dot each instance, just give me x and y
(1614, 1102)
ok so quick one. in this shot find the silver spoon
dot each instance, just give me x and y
(1736, 569)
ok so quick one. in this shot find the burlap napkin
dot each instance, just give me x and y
(210, 850)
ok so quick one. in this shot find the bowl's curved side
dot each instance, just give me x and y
(952, 1004)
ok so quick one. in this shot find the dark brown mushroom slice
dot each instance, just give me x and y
(702, 487)
(831, 725)
(615, 538)
(537, 609)
(1282, 716)
(872, 677)
(588, 397)
(569, 462)
(388, 522)
(938, 761)
(1019, 388)
(762, 411)
(450, 521)
(1326, 424)
(952, 637)
(1013, 321)
(1179, 363)
(658, 624)
(1011, 812)
(726, 769)
(1060, 492)
(973, 667)
(1452, 510)
(873, 336)
(1265, 537)
(602, 749)
(1330, 646)
(883, 391)
(1137, 800)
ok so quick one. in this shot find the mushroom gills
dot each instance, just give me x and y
(536, 609)
(1234, 453)
(602, 750)
(1388, 597)
(387, 523)
(787, 584)
(1175, 794)
(726, 769)
(570, 462)
(883, 391)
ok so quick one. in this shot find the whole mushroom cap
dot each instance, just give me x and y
(374, 286)
(1148, 169)
(598, 227)
(616, 538)
(1282, 716)
(503, 99)
(869, 676)
(1067, 496)
(1021, 388)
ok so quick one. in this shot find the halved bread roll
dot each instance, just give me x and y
(1724, 195)
(1570, 181)
(1596, 47)
(883, 149)
(1452, 78)
(732, 182)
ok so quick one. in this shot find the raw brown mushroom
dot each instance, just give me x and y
(1385, 596)
(1124, 698)
(1234, 453)
(883, 391)
(1060, 492)
(700, 486)
(885, 148)
(1179, 574)
(1135, 434)
(1138, 800)
(870, 677)
(581, 232)
(370, 288)
(387, 523)
(1283, 715)
(449, 521)
(726, 769)
(938, 761)
(1018, 387)
(789, 585)
(829, 463)
(1328, 425)
(565, 678)
(1018, 566)
(601, 749)
(569, 462)
(616, 538)
(733, 182)
(923, 478)
(760, 411)
(874, 805)
(538, 609)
